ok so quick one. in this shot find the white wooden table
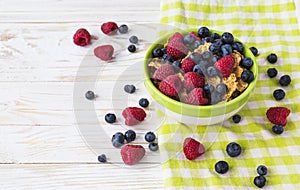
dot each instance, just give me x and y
(41, 145)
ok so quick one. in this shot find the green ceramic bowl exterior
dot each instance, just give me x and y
(192, 110)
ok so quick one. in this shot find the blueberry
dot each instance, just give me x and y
(90, 95)
(247, 63)
(176, 64)
(214, 36)
(221, 89)
(206, 55)
(102, 158)
(208, 39)
(203, 63)
(254, 51)
(166, 58)
(196, 44)
(143, 102)
(262, 170)
(215, 98)
(164, 50)
(221, 167)
(226, 49)
(238, 46)
(211, 71)
(247, 76)
(153, 146)
(272, 72)
(110, 118)
(277, 129)
(203, 32)
(130, 136)
(272, 58)
(285, 80)
(133, 39)
(278, 94)
(233, 149)
(260, 181)
(150, 136)
(214, 48)
(129, 88)
(195, 57)
(131, 48)
(188, 39)
(208, 89)
(236, 118)
(157, 52)
(198, 69)
(123, 29)
(227, 38)
(214, 59)
(117, 139)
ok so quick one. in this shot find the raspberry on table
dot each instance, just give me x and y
(109, 28)
(132, 154)
(133, 115)
(104, 52)
(192, 148)
(82, 37)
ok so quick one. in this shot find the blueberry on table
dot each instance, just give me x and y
(285, 80)
(262, 170)
(118, 139)
(129, 88)
(131, 48)
(143, 102)
(130, 135)
(133, 39)
(247, 63)
(277, 129)
(153, 146)
(278, 94)
(123, 29)
(157, 52)
(272, 72)
(233, 149)
(272, 58)
(90, 95)
(150, 136)
(227, 38)
(236, 118)
(203, 32)
(110, 118)
(221, 167)
(254, 51)
(260, 181)
(102, 158)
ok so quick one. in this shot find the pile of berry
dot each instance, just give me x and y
(192, 67)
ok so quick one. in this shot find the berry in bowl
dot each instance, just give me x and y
(200, 76)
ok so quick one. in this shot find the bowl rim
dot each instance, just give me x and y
(234, 103)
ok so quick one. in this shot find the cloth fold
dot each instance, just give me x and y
(270, 26)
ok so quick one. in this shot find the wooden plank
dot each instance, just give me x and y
(80, 176)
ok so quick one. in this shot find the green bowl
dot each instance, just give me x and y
(193, 114)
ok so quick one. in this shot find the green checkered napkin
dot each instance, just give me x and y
(271, 26)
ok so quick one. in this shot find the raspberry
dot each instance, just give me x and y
(195, 36)
(109, 28)
(163, 72)
(193, 80)
(82, 37)
(132, 154)
(170, 86)
(176, 37)
(104, 52)
(187, 65)
(196, 97)
(225, 65)
(176, 49)
(192, 149)
(278, 115)
(133, 115)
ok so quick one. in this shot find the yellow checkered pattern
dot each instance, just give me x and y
(271, 26)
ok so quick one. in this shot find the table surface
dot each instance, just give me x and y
(43, 80)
